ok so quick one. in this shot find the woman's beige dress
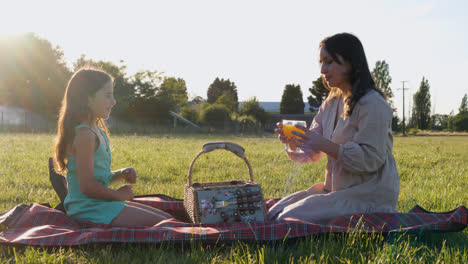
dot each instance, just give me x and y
(364, 178)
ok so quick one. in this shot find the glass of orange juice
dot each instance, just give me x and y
(288, 127)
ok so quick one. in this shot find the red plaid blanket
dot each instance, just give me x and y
(37, 224)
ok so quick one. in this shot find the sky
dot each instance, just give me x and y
(259, 45)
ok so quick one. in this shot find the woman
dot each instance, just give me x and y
(353, 128)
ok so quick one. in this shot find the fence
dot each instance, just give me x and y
(14, 119)
(19, 120)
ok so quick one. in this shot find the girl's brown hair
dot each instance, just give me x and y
(349, 47)
(74, 110)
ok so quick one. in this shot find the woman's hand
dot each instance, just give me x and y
(280, 133)
(311, 141)
(130, 175)
(298, 156)
(308, 139)
(125, 193)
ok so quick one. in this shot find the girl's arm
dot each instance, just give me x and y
(119, 175)
(85, 144)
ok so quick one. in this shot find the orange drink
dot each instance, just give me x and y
(288, 129)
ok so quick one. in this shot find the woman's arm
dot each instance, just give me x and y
(366, 151)
(311, 141)
(369, 147)
(85, 143)
(309, 155)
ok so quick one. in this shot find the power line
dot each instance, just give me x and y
(403, 89)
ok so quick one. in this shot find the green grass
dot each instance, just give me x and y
(433, 173)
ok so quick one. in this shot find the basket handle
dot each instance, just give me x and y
(232, 147)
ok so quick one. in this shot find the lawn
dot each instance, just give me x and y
(433, 173)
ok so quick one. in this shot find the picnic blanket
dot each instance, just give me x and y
(38, 224)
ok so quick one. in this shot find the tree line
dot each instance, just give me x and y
(34, 74)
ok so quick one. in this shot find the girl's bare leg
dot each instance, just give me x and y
(151, 209)
(134, 215)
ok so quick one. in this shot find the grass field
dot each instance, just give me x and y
(433, 173)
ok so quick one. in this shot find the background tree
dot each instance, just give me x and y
(197, 100)
(216, 116)
(318, 94)
(169, 97)
(422, 105)
(174, 90)
(189, 113)
(439, 122)
(396, 124)
(144, 105)
(464, 105)
(460, 121)
(247, 123)
(198, 104)
(252, 107)
(291, 101)
(229, 102)
(33, 74)
(221, 87)
(450, 121)
(383, 80)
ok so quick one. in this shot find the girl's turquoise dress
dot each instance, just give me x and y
(82, 207)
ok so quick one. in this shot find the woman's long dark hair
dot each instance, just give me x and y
(351, 50)
(75, 110)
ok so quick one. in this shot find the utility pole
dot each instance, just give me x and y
(403, 89)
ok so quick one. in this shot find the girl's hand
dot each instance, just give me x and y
(125, 193)
(280, 133)
(130, 175)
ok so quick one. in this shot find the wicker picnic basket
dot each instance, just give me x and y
(229, 201)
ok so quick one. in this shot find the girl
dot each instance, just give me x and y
(82, 151)
(353, 127)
